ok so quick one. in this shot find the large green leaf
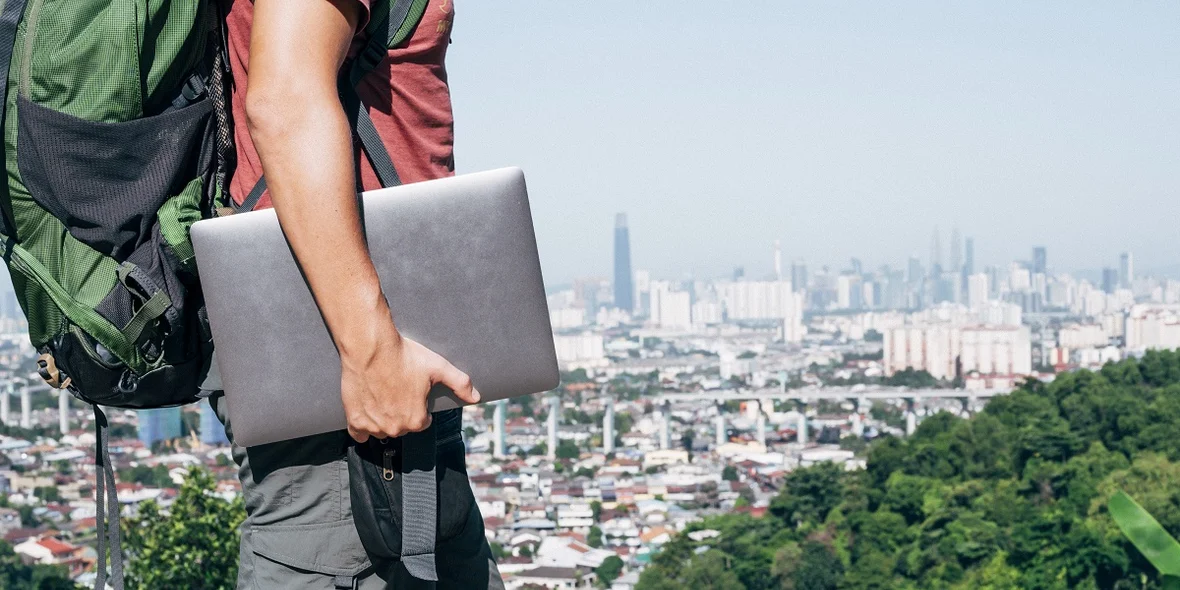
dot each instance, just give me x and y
(1148, 536)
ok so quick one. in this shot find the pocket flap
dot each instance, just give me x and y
(332, 548)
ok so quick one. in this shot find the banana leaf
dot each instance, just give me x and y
(1149, 538)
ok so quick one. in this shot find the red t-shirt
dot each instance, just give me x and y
(407, 95)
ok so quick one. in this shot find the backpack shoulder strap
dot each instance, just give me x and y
(10, 17)
(390, 25)
(395, 21)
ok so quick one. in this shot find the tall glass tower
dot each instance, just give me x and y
(624, 294)
(1040, 260)
(159, 424)
(212, 431)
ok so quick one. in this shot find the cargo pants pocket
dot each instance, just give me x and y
(307, 557)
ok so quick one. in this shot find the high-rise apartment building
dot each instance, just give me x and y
(956, 252)
(936, 255)
(624, 291)
(1040, 260)
(670, 308)
(947, 351)
(848, 291)
(757, 300)
(1110, 280)
(969, 258)
(1126, 270)
(978, 290)
(798, 275)
(159, 424)
(778, 261)
(642, 292)
(914, 274)
(212, 430)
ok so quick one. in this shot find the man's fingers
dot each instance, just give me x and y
(459, 382)
(357, 435)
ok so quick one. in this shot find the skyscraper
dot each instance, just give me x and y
(158, 425)
(1040, 260)
(956, 251)
(1126, 270)
(798, 275)
(936, 255)
(624, 292)
(212, 430)
(1110, 280)
(914, 272)
(969, 258)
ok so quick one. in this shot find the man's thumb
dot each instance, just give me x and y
(460, 383)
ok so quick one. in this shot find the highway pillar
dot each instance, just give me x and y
(760, 425)
(500, 446)
(5, 403)
(801, 429)
(63, 411)
(554, 412)
(608, 425)
(26, 407)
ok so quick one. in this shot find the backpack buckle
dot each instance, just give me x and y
(47, 369)
(366, 61)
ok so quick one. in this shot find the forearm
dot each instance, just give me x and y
(303, 141)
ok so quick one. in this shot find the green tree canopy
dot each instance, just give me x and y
(192, 544)
(609, 571)
(1013, 497)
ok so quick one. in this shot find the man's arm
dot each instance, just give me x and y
(299, 128)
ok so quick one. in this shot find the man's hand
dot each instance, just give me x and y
(385, 392)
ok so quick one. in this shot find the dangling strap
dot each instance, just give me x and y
(419, 504)
(106, 508)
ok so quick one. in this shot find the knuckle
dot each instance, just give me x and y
(420, 422)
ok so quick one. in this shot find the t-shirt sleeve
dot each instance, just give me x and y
(366, 10)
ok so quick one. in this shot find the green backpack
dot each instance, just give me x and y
(111, 151)
(117, 139)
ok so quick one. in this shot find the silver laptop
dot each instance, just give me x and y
(457, 259)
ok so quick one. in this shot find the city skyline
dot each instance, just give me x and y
(961, 258)
(837, 132)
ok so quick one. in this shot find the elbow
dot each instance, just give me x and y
(266, 114)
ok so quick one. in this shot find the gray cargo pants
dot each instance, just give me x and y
(299, 532)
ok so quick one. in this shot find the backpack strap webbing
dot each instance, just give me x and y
(10, 17)
(106, 507)
(419, 503)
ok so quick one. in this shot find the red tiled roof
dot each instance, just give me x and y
(56, 547)
(19, 535)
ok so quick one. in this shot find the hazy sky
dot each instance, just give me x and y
(840, 128)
